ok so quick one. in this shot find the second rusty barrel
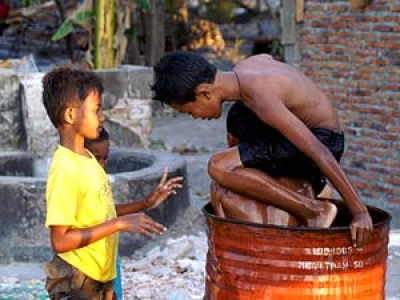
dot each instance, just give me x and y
(265, 262)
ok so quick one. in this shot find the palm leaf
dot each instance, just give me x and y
(80, 16)
(65, 29)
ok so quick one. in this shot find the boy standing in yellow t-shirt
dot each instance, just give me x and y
(81, 212)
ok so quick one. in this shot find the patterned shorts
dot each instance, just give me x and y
(65, 282)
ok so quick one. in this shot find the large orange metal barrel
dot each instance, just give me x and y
(266, 262)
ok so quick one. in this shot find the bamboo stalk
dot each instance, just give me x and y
(99, 32)
(109, 33)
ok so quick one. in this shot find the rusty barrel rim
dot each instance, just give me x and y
(385, 219)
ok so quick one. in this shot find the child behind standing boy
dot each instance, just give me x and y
(100, 148)
(81, 213)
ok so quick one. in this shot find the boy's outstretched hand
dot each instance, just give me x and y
(163, 190)
(140, 223)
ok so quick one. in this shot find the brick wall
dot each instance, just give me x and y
(355, 58)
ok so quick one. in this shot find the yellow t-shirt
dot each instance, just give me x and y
(79, 195)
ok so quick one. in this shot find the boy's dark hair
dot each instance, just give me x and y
(177, 75)
(67, 86)
(103, 136)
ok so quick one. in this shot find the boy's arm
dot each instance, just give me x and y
(273, 112)
(130, 208)
(164, 189)
(65, 238)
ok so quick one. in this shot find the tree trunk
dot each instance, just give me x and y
(155, 36)
(133, 53)
(133, 56)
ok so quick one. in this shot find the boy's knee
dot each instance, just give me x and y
(223, 163)
(216, 194)
(217, 167)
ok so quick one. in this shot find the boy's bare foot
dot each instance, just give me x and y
(326, 217)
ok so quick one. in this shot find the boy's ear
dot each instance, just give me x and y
(204, 89)
(69, 115)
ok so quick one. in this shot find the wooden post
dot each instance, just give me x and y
(358, 4)
(299, 10)
(289, 32)
(155, 36)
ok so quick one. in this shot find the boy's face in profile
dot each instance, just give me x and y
(89, 121)
(100, 151)
(203, 107)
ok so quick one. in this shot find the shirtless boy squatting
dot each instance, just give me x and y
(304, 128)
(244, 126)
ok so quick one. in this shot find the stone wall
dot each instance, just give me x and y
(11, 130)
(41, 136)
(24, 124)
(127, 104)
(133, 175)
(355, 57)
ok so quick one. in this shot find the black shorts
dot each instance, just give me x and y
(278, 157)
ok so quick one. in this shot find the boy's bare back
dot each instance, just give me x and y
(262, 76)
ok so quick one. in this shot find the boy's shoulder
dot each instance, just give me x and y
(254, 61)
(66, 167)
(66, 159)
